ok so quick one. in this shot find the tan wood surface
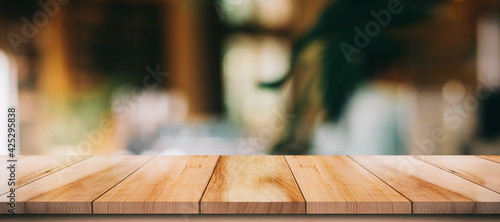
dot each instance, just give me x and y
(432, 190)
(254, 218)
(72, 189)
(3, 158)
(32, 168)
(492, 158)
(255, 185)
(478, 170)
(338, 185)
(252, 185)
(165, 185)
(5, 172)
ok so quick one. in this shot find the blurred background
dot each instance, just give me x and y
(252, 76)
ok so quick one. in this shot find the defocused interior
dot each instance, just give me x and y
(176, 77)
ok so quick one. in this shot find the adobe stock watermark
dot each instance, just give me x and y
(256, 145)
(453, 117)
(29, 30)
(372, 29)
(94, 137)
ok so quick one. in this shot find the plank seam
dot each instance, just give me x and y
(206, 186)
(297, 183)
(411, 202)
(64, 167)
(482, 157)
(92, 202)
(447, 170)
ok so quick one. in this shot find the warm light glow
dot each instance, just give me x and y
(235, 12)
(269, 14)
(247, 62)
(274, 59)
(275, 13)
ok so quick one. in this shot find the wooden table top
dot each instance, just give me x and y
(254, 185)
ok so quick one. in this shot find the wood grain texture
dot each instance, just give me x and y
(5, 172)
(478, 170)
(32, 168)
(3, 158)
(165, 185)
(252, 185)
(72, 189)
(256, 184)
(338, 185)
(431, 190)
(253, 218)
(495, 158)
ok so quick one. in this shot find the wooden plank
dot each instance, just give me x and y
(3, 158)
(495, 158)
(432, 190)
(480, 171)
(5, 172)
(72, 189)
(32, 168)
(165, 185)
(252, 185)
(252, 218)
(338, 185)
